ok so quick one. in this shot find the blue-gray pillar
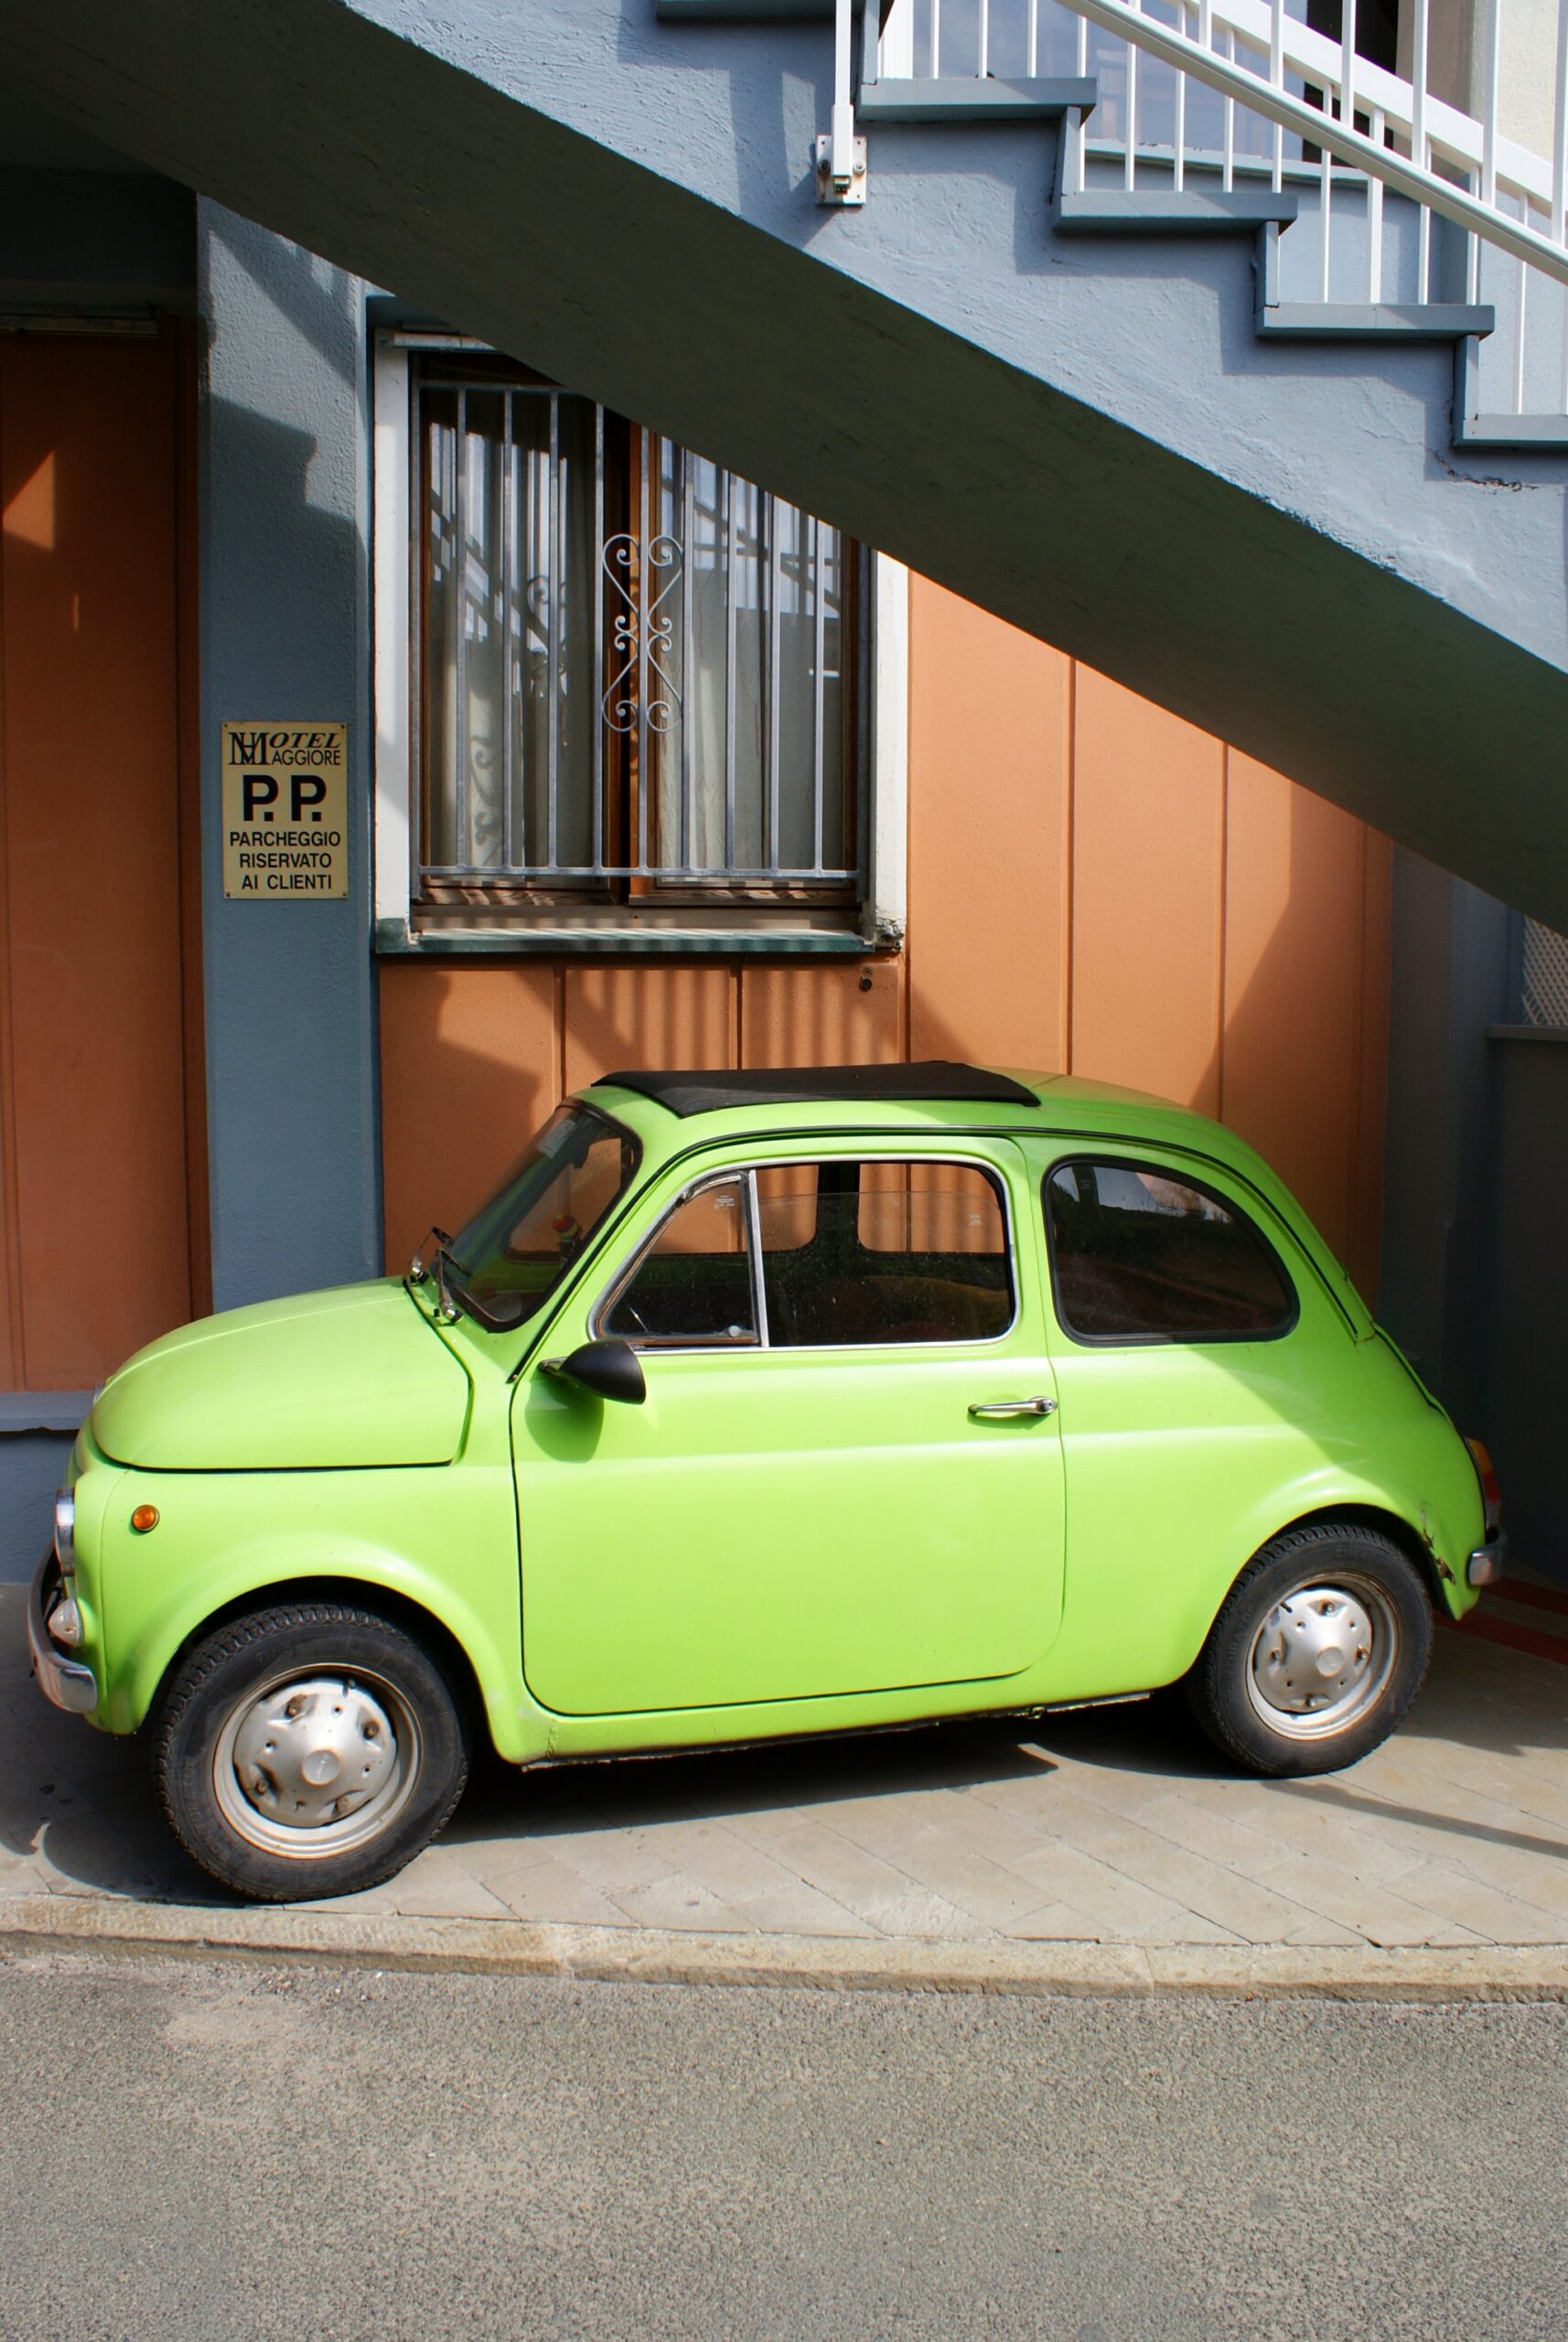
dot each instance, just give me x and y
(1450, 979)
(291, 1037)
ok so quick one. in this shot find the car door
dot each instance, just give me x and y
(808, 1503)
(1194, 1345)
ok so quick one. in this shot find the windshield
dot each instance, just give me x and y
(505, 1265)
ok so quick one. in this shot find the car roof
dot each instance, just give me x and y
(938, 1099)
(927, 1081)
(930, 1097)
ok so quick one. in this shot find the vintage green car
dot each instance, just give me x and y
(753, 1404)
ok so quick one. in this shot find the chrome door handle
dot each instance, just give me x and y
(1006, 1411)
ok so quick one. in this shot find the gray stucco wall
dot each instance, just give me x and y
(291, 1056)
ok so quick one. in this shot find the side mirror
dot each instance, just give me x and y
(610, 1370)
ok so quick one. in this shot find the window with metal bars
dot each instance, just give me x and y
(639, 678)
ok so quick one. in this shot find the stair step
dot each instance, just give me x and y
(1374, 320)
(745, 12)
(1473, 426)
(1546, 431)
(968, 100)
(1108, 211)
(1278, 320)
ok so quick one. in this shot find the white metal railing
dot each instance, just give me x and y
(1215, 92)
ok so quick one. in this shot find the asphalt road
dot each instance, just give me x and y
(196, 2152)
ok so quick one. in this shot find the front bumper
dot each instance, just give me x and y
(1489, 1561)
(66, 1682)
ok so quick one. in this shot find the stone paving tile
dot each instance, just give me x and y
(1482, 1838)
(1235, 1900)
(1381, 1914)
(1495, 1918)
(618, 1862)
(1241, 1825)
(769, 1893)
(437, 1887)
(940, 1861)
(881, 1893)
(1427, 1818)
(535, 1885)
(1254, 1846)
(1120, 1907)
(1056, 1923)
(681, 1903)
(1449, 1767)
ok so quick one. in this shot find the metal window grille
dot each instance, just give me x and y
(1544, 988)
(637, 673)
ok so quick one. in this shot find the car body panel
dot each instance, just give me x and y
(790, 1523)
(348, 1377)
(351, 1440)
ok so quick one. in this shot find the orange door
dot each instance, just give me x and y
(94, 948)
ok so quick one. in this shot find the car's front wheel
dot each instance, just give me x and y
(1319, 1650)
(308, 1749)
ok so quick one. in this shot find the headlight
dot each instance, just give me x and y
(65, 1530)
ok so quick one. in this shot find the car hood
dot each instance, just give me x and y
(354, 1376)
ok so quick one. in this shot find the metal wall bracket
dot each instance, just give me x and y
(846, 189)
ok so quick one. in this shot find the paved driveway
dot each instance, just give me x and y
(1113, 1825)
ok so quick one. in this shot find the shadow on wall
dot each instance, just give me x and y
(1291, 1052)
(475, 1056)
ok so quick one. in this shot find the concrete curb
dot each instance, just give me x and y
(56, 1923)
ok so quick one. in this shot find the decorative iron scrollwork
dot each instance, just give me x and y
(642, 633)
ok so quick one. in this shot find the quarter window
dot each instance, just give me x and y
(1139, 1255)
(693, 1284)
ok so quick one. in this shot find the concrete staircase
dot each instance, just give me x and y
(1111, 419)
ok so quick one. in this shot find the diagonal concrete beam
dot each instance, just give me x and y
(1280, 544)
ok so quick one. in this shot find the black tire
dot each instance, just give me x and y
(257, 1710)
(1251, 1696)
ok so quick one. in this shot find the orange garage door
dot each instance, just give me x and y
(96, 911)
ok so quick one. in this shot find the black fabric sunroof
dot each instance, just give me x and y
(934, 1080)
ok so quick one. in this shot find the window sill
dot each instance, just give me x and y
(396, 939)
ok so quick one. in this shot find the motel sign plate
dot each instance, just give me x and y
(285, 812)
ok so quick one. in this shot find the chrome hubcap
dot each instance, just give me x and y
(313, 1765)
(1323, 1657)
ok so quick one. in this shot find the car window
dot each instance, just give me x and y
(882, 1253)
(512, 1256)
(693, 1282)
(1138, 1255)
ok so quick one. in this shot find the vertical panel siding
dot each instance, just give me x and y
(1148, 876)
(990, 808)
(471, 1062)
(625, 1017)
(824, 1015)
(93, 1110)
(1296, 905)
(1093, 886)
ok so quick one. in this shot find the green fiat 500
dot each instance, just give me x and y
(762, 1403)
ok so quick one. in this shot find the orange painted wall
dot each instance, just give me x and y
(94, 918)
(1094, 888)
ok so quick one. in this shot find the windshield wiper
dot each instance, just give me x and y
(444, 1258)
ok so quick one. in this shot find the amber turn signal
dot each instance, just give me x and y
(145, 1516)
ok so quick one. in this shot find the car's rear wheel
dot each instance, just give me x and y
(310, 1750)
(1317, 1653)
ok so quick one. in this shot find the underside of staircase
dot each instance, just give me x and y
(1109, 420)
